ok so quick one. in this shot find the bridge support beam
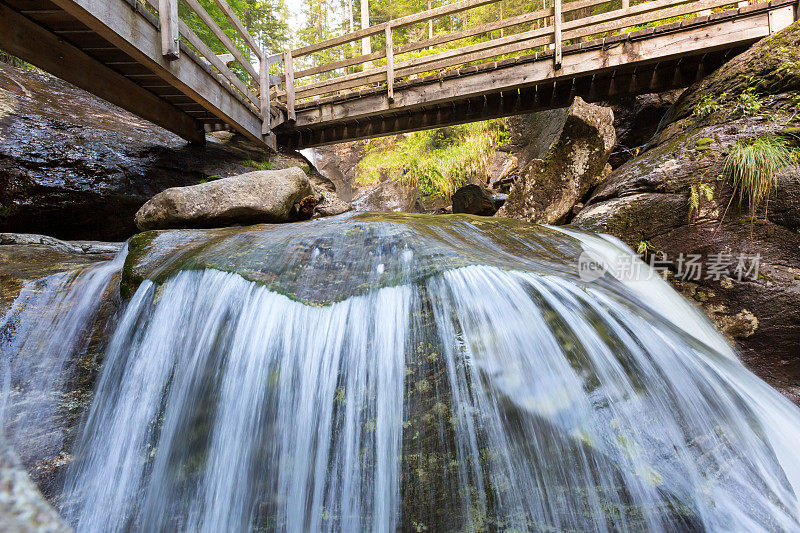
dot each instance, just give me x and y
(131, 32)
(23, 38)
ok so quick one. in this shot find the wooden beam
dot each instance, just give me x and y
(223, 38)
(131, 32)
(25, 39)
(389, 63)
(334, 65)
(168, 22)
(557, 33)
(288, 65)
(263, 86)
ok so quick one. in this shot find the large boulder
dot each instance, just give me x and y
(674, 200)
(549, 187)
(474, 200)
(252, 198)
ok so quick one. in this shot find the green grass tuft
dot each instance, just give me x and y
(258, 165)
(753, 168)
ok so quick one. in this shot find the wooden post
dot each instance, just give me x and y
(430, 23)
(366, 47)
(557, 33)
(288, 65)
(626, 4)
(263, 82)
(168, 20)
(743, 3)
(389, 62)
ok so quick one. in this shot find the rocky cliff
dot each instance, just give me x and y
(677, 199)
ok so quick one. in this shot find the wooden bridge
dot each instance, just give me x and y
(392, 77)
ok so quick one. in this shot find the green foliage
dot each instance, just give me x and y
(265, 20)
(748, 103)
(644, 247)
(213, 177)
(437, 162)
(706, 106)
(753, 168)
(259, 165)
(695, 193)
(14, 61)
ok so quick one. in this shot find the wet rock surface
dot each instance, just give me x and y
(674, 199)
(636, 121)
(27, 257)
(76, 167)
(575, 161)
(322, 261)
(251, 198)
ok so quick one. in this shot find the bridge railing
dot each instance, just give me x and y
(544, 30)
(253, 88)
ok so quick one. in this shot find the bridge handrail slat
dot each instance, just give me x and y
(223, 38)
(240, 28)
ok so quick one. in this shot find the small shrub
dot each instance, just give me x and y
(706, 106)
(644, 247)
(753, 168)
(259, 165)
(748, 103)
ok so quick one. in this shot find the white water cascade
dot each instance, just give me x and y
(488, 395)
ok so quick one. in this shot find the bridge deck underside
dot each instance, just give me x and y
(79, 49)
(655, 59)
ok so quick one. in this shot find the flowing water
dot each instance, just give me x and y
(383, 373)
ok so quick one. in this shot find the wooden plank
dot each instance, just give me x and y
(557, 33)
(479, 55)
(31, 42)
(342, 39)
(131, 32)
(448, 9)
(263, 85)
(616, 24)
(220, 34)
(471, 32)
(341, 83)
(422, 16)
(214, 60)
(168, 22)
(334, 65)
(389, 63)
(223, 5)
(288, 65)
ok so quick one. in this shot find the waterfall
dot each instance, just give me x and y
(498, 391)
(49, 324)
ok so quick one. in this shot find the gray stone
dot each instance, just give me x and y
(22, 507)
(548, 188)
(252, 198)
(474, 200)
